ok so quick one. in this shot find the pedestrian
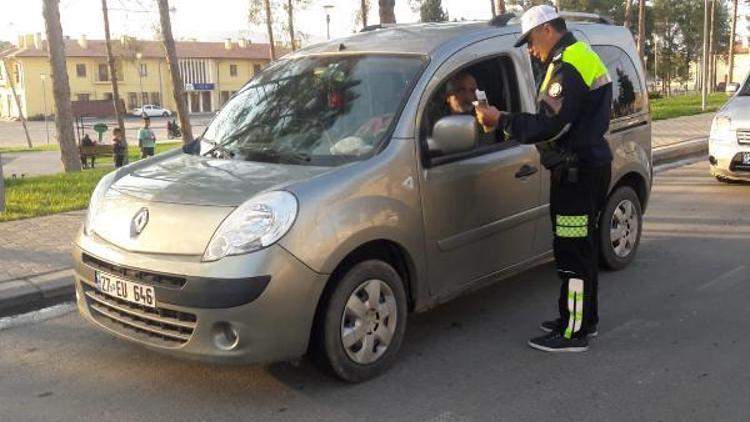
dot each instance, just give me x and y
(146, 139)
(572, 116)
(118, 147)
(86, 141)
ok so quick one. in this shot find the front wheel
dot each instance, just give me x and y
(362, 322)
(620, 228)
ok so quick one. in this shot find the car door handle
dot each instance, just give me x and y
(526, 171)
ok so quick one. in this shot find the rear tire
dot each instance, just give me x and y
(620, 228)
(357, 336)
(165, 114)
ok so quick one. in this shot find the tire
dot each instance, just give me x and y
(170, 136)
(623, 219)
(338, 316)
(165, 114)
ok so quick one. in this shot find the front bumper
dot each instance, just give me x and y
(725, 160)
(267, 299)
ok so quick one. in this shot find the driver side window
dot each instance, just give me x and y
(456, 96)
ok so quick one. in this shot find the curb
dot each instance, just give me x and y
(679, 151)
(35, 292)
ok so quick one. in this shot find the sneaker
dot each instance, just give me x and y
(555, 342)
(554, 325)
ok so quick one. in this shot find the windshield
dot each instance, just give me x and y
(745, 90)
(314, 110)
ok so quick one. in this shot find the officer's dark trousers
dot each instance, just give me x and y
(575, 207)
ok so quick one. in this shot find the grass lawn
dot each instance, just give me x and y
(45, 147)
(685, 105)
(43, 195)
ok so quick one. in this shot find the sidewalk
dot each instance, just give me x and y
(35, 253)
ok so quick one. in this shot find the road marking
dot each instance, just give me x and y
(446, 417)
(724, 277)
(36, 316)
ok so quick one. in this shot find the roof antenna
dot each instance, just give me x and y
(342, 47)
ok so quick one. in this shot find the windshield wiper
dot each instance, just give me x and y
(272, 155)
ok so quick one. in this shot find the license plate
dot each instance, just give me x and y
(125, 290)
(746, 158)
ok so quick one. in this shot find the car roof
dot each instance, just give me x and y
(428, 39)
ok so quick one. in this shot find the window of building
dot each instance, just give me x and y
(107, 95)
(83, 97)
(256, 69)
(133, 100)
(144, 97)
(232, 70)
(627, 92)
(143, 70)
(156, 98)
(103, 74)
(81, 70)
(18, 73)
(224, 97)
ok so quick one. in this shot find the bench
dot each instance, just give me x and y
(94, 151)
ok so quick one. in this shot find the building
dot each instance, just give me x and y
(211, 71)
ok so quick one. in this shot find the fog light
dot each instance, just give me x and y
(225, 336)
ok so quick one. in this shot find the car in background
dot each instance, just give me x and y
(729, 140)
(150, 110)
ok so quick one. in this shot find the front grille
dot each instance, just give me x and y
(743, 136)
(141, 276)
(158, 326)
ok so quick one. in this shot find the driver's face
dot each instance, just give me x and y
(463, 94)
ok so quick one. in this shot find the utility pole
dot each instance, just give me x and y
(290, 11)
(704, 65)
(628, 5)
(641, 26)
(177, 84)
(711, 67)
(113, 78)
(731, 42)
(60, 87)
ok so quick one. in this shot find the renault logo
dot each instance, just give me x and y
(139, 222)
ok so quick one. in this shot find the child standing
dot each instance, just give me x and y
(118, 147)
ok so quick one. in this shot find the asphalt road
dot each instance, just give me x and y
(673, 346)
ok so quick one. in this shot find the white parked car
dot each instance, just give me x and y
(729, 141)
(150, 110)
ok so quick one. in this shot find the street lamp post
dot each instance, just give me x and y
(44, 99)
(139, 56)
(328, 8)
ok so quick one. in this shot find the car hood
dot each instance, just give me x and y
(196, 180)
(738, 109)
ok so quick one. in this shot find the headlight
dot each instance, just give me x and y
(721, 129)
(258, 223)
(99, 191)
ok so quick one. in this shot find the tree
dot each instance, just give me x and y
(641, 26)
(60, 86)
(500, 7)
(730, 77)
(290, 12)
(177, 84)
(260, 14)
(432, 11)
(385, 9)
(113, 78)
(360, 20)
(626, 20)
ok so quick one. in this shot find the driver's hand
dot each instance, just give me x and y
(488, 116)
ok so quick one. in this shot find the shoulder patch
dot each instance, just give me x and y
(555, 89)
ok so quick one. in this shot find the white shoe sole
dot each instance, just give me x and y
(565, 350)
(547, 330)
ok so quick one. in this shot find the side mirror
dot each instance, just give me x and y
(732, 88)
(454, 134)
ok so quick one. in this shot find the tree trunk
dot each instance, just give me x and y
(12, 83)
(500, 7)
(60, 87)
(2, 186)
(628, 5)
(113, 78)
(641, 27)
(387, 15)
(711, 61)
(177, 84)
(492, 5)
(269, 28)
(290, 6)
(363, 11)
(731, 42)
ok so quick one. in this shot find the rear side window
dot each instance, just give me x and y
(627, 92)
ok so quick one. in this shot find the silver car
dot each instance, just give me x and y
(333, 195)
(729, 141)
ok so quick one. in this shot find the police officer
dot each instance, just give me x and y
(573, 109)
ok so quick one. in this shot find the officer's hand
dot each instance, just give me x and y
(488, 116)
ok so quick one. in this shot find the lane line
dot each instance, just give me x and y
(723, 277)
